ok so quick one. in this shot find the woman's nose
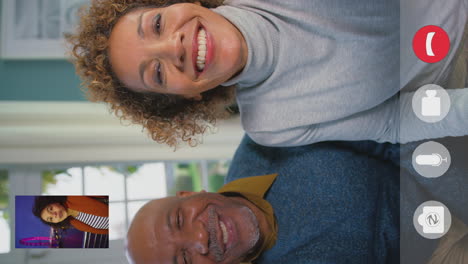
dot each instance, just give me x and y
(171, 48)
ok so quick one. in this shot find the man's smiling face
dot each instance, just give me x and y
(193, 228)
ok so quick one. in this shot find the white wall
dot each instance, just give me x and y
(64, 132)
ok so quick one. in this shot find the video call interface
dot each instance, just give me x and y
(344, 177)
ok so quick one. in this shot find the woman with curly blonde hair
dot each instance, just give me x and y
(301, 71)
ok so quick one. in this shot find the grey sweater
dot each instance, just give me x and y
(330, 70)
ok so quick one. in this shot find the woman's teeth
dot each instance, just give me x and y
(225, 233)
(201, 50)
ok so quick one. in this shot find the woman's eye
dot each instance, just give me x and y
(157, 24)
(158, 74)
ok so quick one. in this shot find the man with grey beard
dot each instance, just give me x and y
(230, 226)
(320, 203)
(333, 202)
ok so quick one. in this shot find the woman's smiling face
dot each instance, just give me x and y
(54, 213)
(183, 49)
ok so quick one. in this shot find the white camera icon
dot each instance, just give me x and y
(432, 220)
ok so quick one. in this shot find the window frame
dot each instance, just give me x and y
(42, 135)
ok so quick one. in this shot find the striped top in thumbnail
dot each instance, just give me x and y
(98, 222)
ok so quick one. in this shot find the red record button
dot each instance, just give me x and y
(431, 44)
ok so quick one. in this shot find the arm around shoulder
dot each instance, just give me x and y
(393, 121)
(378, 124)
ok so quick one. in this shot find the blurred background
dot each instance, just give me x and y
(52, 141)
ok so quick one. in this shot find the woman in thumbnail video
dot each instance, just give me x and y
(85, 213)
(301, 71)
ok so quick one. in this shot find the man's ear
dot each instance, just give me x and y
(188, 193)
(197, 3)
(185, 193)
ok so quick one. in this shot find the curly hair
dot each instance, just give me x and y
(169, 119)
(41, 202)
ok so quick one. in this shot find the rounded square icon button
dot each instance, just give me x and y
(431, 44)
(431, 103)
(431, 159)
(432, 219)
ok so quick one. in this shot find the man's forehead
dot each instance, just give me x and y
(148, 229)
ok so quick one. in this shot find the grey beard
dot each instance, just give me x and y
(214, 243)
(255, 232)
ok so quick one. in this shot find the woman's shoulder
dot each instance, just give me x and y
(88, 205)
